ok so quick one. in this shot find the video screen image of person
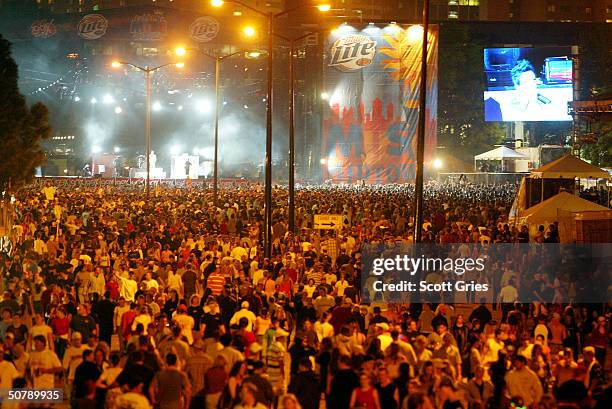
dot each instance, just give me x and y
(518, 91)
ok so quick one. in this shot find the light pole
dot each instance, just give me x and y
(268, 165)
(420, 154)
(292, 43)
(218, 59)
(147, 72)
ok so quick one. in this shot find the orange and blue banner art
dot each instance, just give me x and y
(372, 79)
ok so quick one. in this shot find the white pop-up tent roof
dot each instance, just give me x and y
(500, 153)
(550, 209)
(570, 167)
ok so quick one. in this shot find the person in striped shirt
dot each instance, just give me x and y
(216, 282)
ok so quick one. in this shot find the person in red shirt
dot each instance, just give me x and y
(126, 322)
(113, 287)
(215, 282)
(60, 324)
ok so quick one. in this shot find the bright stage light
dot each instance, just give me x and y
(254, 54)
(96, 149)
(180, 65)
(324, 96)
(116, 149)
(77, 98)
(175, 149)
(180, 108)
(118, 110)
(93, 101)
(180, 51)
(204, 106)
(415, 33)
(115, 64)
(249, 31)
(108, 99)
(324, 7)
(437, 164)
(323, 161)
(216, 3)
(156, 106)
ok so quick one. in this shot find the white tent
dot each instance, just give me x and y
(502, 154)
(562, 208)
(570, 167)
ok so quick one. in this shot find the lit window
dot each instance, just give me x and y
(588, 10)
(551, 8)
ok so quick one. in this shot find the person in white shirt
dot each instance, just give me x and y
(44, 364)
(244, 312)
(341, 285)
(185, 323)
(522, 381)
(97, 282)
(323, 328)
(142, 318)
(127, 286)
(40, 328)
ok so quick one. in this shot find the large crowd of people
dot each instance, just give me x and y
(168, 301)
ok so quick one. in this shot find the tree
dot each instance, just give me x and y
(461, 125)
(21, 128)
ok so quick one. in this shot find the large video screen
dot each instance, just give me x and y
(528, 84)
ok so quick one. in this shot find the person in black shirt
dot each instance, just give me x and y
(342, 385)
(211, 320)
(105, 311)
(136, 369)
(86, 373)
(18, 329)
(305, 385)
(83, 323)
(378, 318)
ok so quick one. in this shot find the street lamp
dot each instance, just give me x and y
(292, 43)
(203, 107)
(268, 162)
(147, 72)
(420, 154)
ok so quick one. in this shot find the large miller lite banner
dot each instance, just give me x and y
(372, 79)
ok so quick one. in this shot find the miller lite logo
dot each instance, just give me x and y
(204, 29)
(43, 29)
(92, 26)
(352, 52)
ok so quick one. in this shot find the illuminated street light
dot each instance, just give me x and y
(94, 101)
(254, 54)
(147, 72)
(204, 106)
(180, 65)
(108, 99)
(116, 149)
(77, 98)
(268, 203)
(249, 31)
(118, 110)
(180, 51)
(324, 7)
(156, 106)
(324, 96)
